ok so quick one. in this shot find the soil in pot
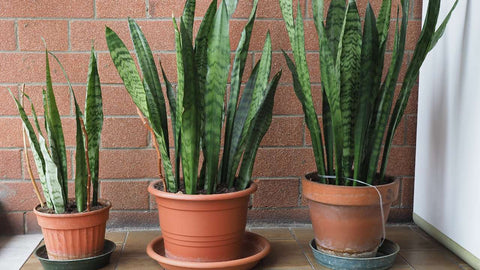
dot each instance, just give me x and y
(347, 220)
(74, 235)
(202, 228)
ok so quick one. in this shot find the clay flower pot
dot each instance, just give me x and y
(74, 236)
(347, 220)
(203, 228)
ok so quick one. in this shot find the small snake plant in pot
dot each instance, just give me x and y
(358, 120)
(199, 186)
(72, 228)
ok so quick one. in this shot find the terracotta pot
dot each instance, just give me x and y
(203, 228)
(74, 236)
(347, 220)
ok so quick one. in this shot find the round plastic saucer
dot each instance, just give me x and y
(384, 260)
(255, 248)
(92, 263)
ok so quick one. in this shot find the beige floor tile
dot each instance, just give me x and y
(303, 234)
(139, 262)
(32, 264)
(431, 259)
(136, 243)
(116, 237)
(285, 254)
(274, 234)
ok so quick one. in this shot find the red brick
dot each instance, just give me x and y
(283, 162)
(417, 9)
(8, 41)
(124, 132)
(165, 8)
(8, 105)
(413, 33)
(284, 131)
(128, 164)
(106, 69)
(55, 33)
(278, 216)
(69, 154)
(407, 192)
(286, 102)
(159, 34)
(117, 101)
(83, 32)
(401, 161)
(30, 67)
(278, 34)
(120, 8)
(411, 137)
(132, 219)
(62, 97)
(276, 193)
(11, 132)
(12, 223)
(10, 165)
(265, 9)
(17, 196)
(136, 198)
(47, 8)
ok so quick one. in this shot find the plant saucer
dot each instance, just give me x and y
(255, 248)
(385, 258)
(95, 262)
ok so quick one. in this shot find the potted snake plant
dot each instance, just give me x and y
(345, 194)
(199, 187)
(73, 228)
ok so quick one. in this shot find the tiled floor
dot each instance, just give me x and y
(290, 250)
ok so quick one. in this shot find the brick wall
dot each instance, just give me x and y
(127, 159)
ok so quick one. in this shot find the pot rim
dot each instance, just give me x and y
(105, 202)
(201, 197)
(395, 179)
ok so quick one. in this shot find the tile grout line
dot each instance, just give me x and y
(300, 248)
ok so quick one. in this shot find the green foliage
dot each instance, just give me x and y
(357, 105)
(50, 158)
(198, 105)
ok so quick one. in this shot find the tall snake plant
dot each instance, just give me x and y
(357, 105)
(198, 105)
(50, 158)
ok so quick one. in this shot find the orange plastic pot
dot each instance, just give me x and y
(203, 228)
(74, 236)
(347, 220)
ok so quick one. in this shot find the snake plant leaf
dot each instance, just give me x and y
(190, 139)
(311, 118)
(240, 119)
(36, 150)
(127, 70)
(383, 21)
(236, 79)
(369, 60)
(93, 122)
(258, 96)
(349, 76)
(154, 94)
(55, 133)
(179, 103)
(286, 8)
(81, 174)
(318, 9)
(260, 126)
(385, 99)
(81, 171)
(231, 6)
(327, 133)
(218, 59)
(201, 68)
(441, 29)
(427, 36)
(54, 186)
(188, 17)
(334, 23)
